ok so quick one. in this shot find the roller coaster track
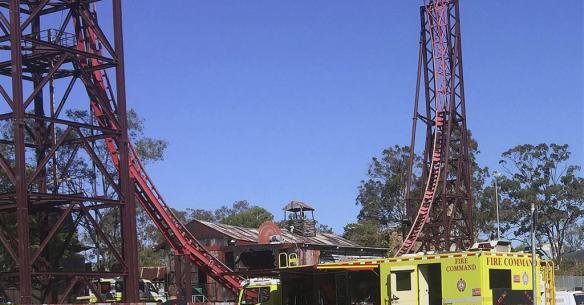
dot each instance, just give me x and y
(174, 232)
(438, 17)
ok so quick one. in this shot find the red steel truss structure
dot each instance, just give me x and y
(55, 60)
(443, 196)
(45, 74)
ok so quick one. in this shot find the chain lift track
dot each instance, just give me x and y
(176, 235)
(444, 217)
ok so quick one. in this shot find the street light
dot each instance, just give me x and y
(497, 175)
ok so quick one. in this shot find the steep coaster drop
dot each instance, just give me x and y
(182, 241)
(429, 193)
(444, 215)
(176, 235)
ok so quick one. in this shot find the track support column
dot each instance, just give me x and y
(178, 276)
(188, 276)
(130, 243)
(24, 270)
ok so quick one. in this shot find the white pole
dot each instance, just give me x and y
(533, 259)
(497, 175)
(497, 203)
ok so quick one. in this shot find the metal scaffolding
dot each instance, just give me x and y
(50, 50)
(442, 197)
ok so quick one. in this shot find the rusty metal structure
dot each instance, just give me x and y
(442, 197)
(47, 55)
(66, 161)
(67, 165)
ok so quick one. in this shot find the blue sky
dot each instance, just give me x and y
(270, 101)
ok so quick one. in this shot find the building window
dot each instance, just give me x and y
(264, 295)
(230, 260)
(403, 280)
(499, 278)
(256, 295)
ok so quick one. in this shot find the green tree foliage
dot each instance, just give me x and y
(322, 228)
(150, 150)
(382, 199)
(382, 195)
(570, 268)
(250, 218)
(483, 194)
(366, 233)
(241, 213)
(543, 174)
(237, 207)
(201, 214)
(574, 238)
(150, 239)
(64, 243)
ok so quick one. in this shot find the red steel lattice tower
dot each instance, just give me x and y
(56, 60)
(51, 50)
(442, 197)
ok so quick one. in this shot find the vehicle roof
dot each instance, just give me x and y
(419, 256)
(569, 292)
(259, 282)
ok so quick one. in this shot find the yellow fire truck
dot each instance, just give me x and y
(481, 277)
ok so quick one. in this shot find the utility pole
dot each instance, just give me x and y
(533, 258)
(497, 175)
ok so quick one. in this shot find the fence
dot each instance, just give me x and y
(569, 282)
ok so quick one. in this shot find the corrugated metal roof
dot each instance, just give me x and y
(251, 235)
(295, 206)
(239, 233)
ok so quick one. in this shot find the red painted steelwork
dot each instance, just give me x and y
(42, 197)
(177, 236)
(429, 191)
(444, 217)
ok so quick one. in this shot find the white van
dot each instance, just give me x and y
(569, 298)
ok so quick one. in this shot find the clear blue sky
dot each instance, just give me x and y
(271, 101)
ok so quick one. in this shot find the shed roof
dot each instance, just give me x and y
(251, 235)
(296, 206)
